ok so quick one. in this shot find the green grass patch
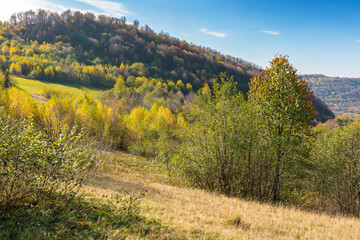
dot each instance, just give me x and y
(81, 219)
(33, 86)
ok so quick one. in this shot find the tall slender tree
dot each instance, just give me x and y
(285, 104)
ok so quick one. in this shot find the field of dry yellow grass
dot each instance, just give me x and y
(197, 214)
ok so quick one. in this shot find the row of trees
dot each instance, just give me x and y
(109, 122)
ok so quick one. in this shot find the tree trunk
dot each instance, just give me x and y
(276, 186)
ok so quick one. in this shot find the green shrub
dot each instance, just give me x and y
(33, 167)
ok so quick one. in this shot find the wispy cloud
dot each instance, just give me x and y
(215, 34)
(114, 9)
(271, 32)
(358, 40)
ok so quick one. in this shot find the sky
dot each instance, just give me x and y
(320, 37)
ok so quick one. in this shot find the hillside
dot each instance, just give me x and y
(196, 214)
(106, 40)
(342, 95)
(167, 211)
(95, 51)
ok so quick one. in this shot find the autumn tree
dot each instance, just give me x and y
(284, 100)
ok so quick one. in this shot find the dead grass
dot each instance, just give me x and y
(203, 215)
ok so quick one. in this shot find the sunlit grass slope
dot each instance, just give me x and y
(33, 86)
(198, 214)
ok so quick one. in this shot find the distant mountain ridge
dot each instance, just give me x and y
(342, 94)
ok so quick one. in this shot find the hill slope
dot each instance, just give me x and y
(111, 41)
(341, 94)
(166, 211)
(197, 214)
(94, 51)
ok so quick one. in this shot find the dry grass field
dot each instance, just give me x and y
(197, 214)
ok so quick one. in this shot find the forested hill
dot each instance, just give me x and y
(112, 41)
(98, 50)
(341, 94)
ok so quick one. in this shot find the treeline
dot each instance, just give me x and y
(136, 129)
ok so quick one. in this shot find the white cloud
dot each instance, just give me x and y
(215, 34)
(271, 32)
(113, 9)
(358, 40)
(15, 6)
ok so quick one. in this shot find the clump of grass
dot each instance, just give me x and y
(239, 223)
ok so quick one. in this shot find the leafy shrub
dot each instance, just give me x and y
(48, 93)
(33, 167)
(336, 155)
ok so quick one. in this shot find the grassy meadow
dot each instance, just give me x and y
(197, 214)
(166, 211)
(33, 87)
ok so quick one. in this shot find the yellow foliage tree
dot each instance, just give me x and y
(15, 68)
(29, 52)
(49, 72)
(120, 83)
(20, 104)
(189, 87)
(14, 51)
(5, 50)
(180, 84)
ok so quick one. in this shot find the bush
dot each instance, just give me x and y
(33, 167)
(216, 146)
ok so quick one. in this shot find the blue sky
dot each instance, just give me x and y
(318, 36)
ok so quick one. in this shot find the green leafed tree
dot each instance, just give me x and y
(284, 100)
(216, 145)
(4, 77)
(336, 155)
